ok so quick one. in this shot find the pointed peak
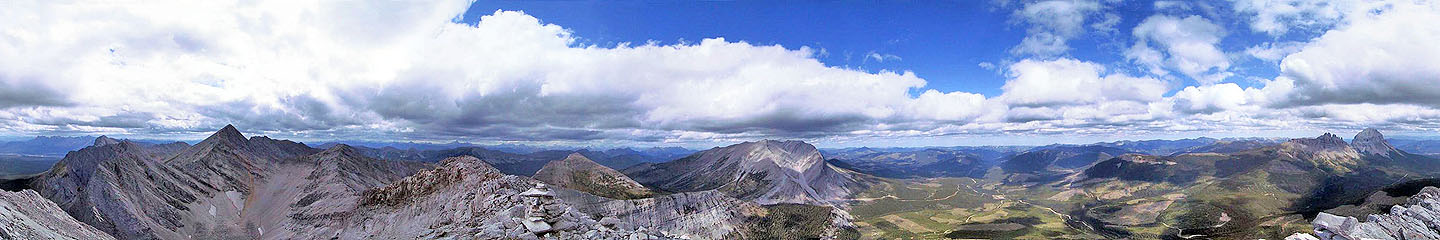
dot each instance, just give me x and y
(228, 133)
(1372, 142)
(104, 140)
(229, 128)
(1369, 133)
(576, 156)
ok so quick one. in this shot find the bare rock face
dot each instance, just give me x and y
(1370, 141)
(309, 196)
(226, 187)
(122, 189)
(1327, 151)
(700, 215)
(1419, 219)
(767, 172)
(27, 215)
(580, 173)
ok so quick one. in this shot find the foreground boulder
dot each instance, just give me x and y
(1418, 219)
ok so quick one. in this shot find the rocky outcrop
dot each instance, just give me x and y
(767, 172)
(1419, 219)
(580, 173)
(700, 215)
(466, 198)
(1327, 151)
(1324, 141)
(1370, 141)
(422, 184)
(27, 215)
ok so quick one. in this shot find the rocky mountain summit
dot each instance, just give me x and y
(1418, 219)
(767, 172)
(580, 173)
(27, 215)
(123, 189)
(1370, 141)
(104, 140)
(1327, 151)
(227, 186)
(1325, 142)
(477, 201)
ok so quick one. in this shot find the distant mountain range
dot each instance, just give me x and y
(230, 186)
(59, 145)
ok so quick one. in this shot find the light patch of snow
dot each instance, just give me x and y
(262, 230)
(212, 210)
(237, 200)
(96, 211)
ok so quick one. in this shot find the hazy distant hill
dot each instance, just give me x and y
(11, 165)
(580, 173)
(526, 164)
(922, 163)
(1161, 147)
(46, 145)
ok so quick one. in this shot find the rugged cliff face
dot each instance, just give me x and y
(700, 215)
(27, 215)
(1417, 219)
(1327, 151)
(767, 172)
(1370, 141)
(225, 187)
(124, 190)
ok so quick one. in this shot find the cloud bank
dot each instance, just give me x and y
(393, 71)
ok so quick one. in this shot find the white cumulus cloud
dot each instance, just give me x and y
(1188, 45)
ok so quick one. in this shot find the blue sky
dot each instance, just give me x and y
(939, 41)
(944, 42)
(913, 73)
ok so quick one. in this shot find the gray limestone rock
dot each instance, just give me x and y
(26, 215)
(1419, 219)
